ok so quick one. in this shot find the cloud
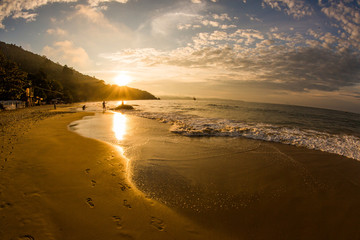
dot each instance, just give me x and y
(306, 61)
(66, 52)
(295, 8)
(92, 15)
(29, 17)
(222, 17)
(184, 26)
(183, 16)
(134, 57)
(210, 23)
(301, 70)
(218, 36)
(253, 18)
(89, 22)
(23, 8)
(164, 24)
(200, 1)
(309, 69)
(224, 26)
(180, 16)
(56, 31)
(348, 18)
(95, 3)
(247, 35)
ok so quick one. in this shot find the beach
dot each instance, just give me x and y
(56, 184)
(247, 189)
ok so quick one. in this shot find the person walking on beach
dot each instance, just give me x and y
(104, 105)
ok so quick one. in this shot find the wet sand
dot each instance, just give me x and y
(55, 184)
(248, 189)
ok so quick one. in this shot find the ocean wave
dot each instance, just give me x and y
(188, 125)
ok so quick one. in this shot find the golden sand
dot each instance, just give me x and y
(55, 184)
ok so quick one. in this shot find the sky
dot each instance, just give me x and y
(297, 52)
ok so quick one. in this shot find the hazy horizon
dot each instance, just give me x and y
(304, 53)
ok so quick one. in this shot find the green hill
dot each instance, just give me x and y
(20, 69)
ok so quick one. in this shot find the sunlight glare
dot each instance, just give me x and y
(120, 102)
(122, 79)
(119, 125)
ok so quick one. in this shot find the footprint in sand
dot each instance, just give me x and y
(124, 186)
(117, 220)
(5, 205)
(126, 204)
(90, 202)
(157, 223)
(93, 183)
(26, 237)
(32, 194)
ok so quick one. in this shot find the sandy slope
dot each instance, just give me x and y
(56, 184)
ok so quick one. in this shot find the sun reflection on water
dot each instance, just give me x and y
(119, 129)
(121, 102)
(119, 125)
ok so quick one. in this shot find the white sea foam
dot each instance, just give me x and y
(345, 145)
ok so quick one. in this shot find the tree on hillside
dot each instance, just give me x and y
(13, 81)
(44, 87)
(74, 85)
(69, 83)
(67, 74)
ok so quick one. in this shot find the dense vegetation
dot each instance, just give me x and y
(20, 69)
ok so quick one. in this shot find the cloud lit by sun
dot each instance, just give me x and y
(122, 79)
(295, 51)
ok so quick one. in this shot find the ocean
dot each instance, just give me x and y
(218, 160)
(313, 128)
(232, 166)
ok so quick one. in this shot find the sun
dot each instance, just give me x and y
(122, 79)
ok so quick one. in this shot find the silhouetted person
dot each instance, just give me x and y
(104, 105)
(54, 105)
(83, 107)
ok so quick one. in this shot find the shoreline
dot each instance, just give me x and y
(59, 185)
(247, 188)
(56, 184)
